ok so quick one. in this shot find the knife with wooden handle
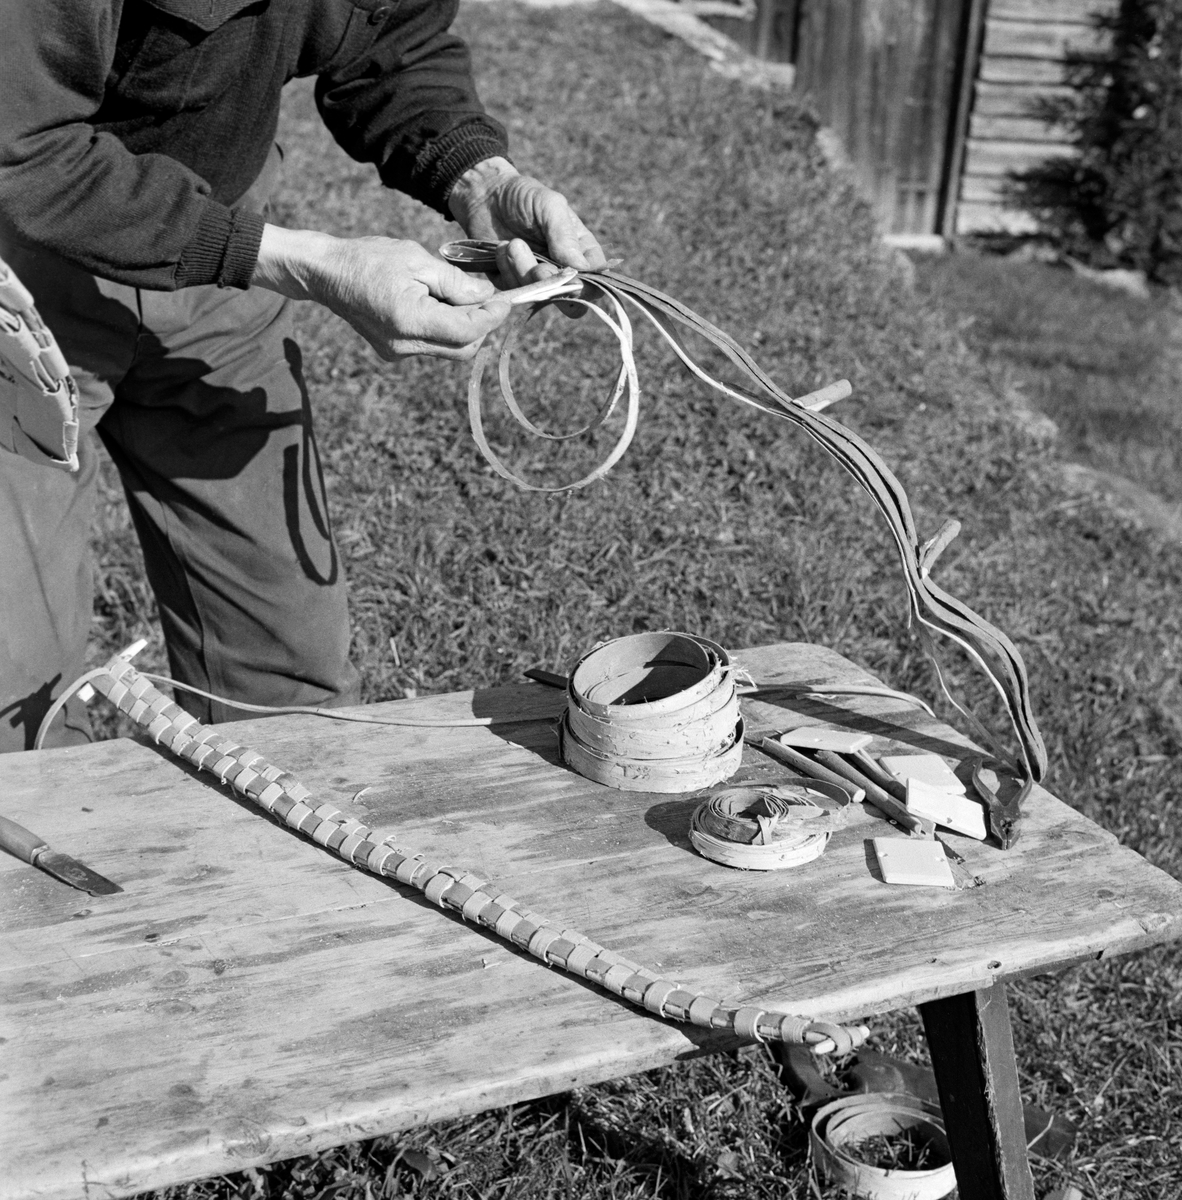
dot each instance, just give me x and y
(18, 840)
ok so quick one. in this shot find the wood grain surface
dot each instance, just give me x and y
(1077, 11)
(1012, 99)
(1041, 39)
(976, 217)
(248, 997)
(1020, 129)
(1008, 69)
(998, 159)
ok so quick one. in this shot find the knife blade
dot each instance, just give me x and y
(26, 845)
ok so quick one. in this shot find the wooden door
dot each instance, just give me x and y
(892, 79)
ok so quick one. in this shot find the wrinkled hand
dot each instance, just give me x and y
(494, 201)
(402, 299)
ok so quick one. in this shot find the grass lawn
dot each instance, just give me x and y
(722, 522)
(1104, 366)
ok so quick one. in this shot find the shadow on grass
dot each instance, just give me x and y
(668, 1171)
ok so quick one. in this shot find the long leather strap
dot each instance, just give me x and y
(932, 609)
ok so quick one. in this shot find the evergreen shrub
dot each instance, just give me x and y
(1118, 201)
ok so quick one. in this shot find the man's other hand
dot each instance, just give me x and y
(492, 200)
(400, 298)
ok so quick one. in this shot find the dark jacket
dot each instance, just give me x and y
(129, 128)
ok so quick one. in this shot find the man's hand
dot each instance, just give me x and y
(401, 299)
(492, 200)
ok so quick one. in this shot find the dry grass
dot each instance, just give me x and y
(724, 524)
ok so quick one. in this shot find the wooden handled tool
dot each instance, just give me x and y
(803, 764)
(878, 796)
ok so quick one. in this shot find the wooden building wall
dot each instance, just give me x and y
(1021, 60)
(933, 101)
(885, 76)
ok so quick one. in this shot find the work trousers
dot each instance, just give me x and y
(199, 398)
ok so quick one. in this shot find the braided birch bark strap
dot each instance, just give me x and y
(452, 888)
(932, 610)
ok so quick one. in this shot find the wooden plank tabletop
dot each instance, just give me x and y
(248, 997)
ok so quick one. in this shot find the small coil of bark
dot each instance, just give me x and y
(840, 1127)
(653, 712)
(757, 827)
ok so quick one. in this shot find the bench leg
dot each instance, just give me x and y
(972, 1050)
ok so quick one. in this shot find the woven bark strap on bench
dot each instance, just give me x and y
(452, 888)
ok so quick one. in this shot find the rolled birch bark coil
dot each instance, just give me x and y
(838, 1128)
(453, 888)
(653, 712)
(757, 827)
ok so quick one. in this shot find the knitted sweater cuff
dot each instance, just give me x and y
(224, 249)
(442, 163)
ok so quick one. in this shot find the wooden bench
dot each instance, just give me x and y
(249, 997)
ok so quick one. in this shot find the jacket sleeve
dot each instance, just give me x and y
(140, 219)
(408, 103)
